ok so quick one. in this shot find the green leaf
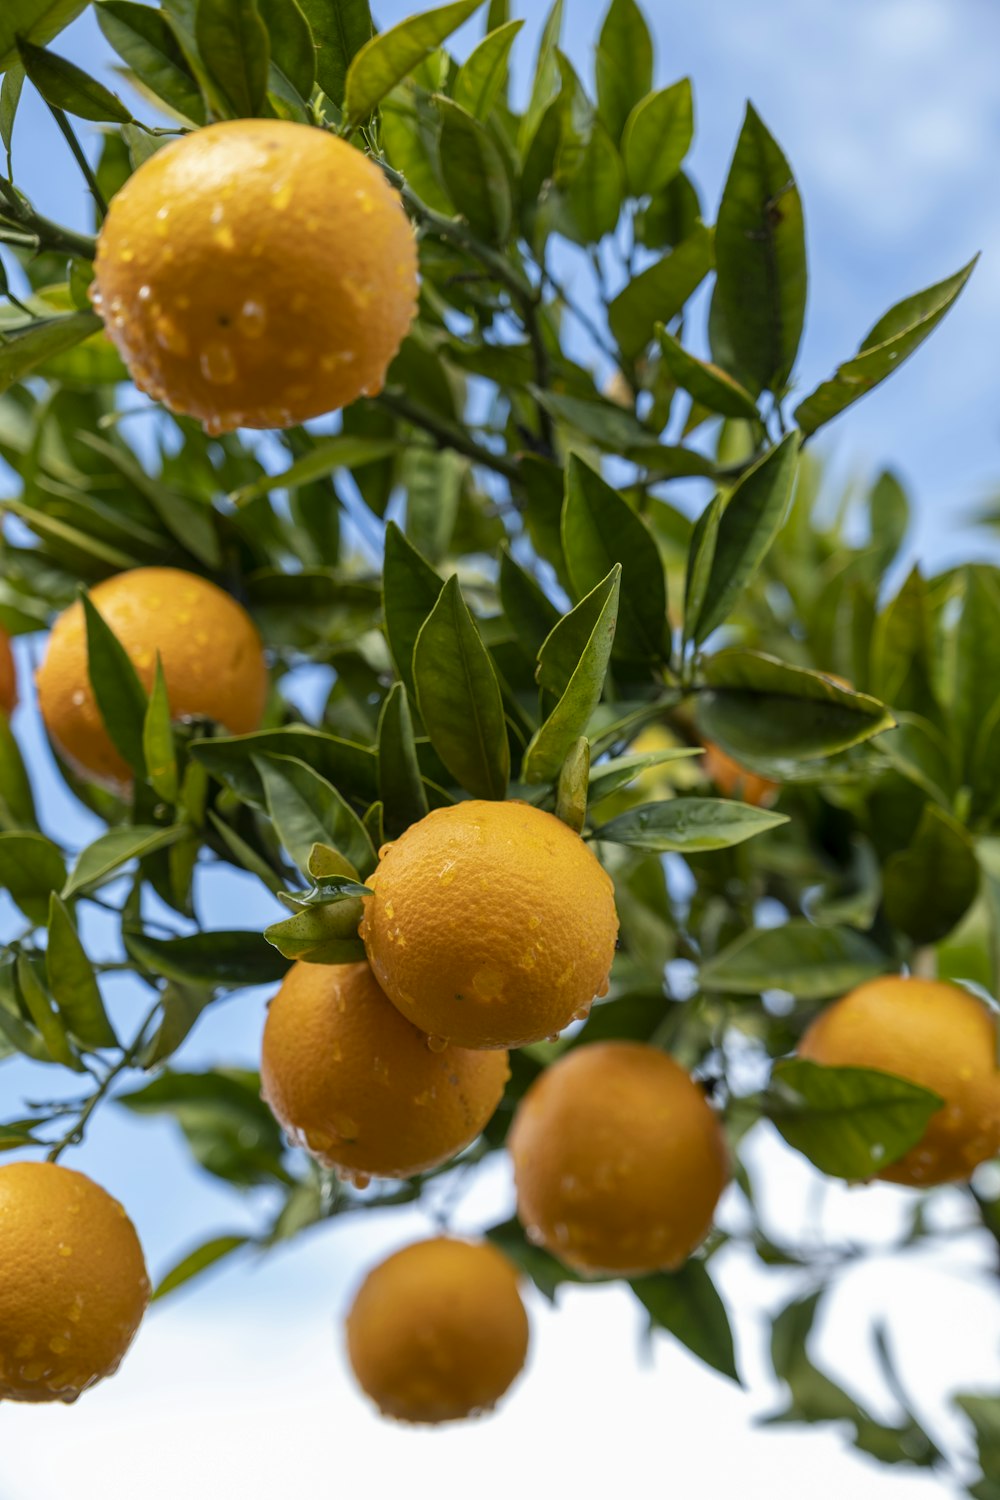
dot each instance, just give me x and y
(352, 768)
(610, 775)
(434, 481)
(33, 21)
(293, 50)
(17, 805)
(624, 64)
(547, 1273)
(984, 1414)
(811, 963)
(307, 809)
(526, 605)
(31, 868)
(143, 38)
(760, 258)
(401, 788)
(546, 81)
(657, 294)
(475, 173)
(389, 57)
(689, 825)
(973, 657)
(325, 934)
(709, 385)
(10, 97)
(107, 854)
(190, 521)
(410, 590)
(573, 664)
(159, 754)
(892, 340)
(749, 524)
(341, 452)
(29, 344)
(657, 138)
(199, 1260)
(73, 982)
(218, 960)
(234, 47)
(686, 1304)
(459, 697)
(40, 1007)
(700, 560)
(758, 708)
(181, 1007)
(65, 86)
(849, 1122)
(480, 80)
(120, 696)
(573, 786)
(229, 1128)
(929, 886)
(340, 29)
(600, 530)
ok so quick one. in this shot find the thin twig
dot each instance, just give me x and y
(74, 1136)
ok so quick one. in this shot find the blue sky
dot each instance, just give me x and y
(889, 111)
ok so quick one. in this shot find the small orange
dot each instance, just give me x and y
(213, 662)
(358, 1086)
(934, 1034)
(8, 676)
(256, 273)
(734, 780)
(492, 924)
(438, 1331)
(619, 1160)
(73, 1284)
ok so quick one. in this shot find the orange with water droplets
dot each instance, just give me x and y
(491, 924)
(73, 1283)
(256, 273)
(213, 662)
(619, 1160)
(8, 676)
(359, 1087)
(438, 1332)
(934, 1034)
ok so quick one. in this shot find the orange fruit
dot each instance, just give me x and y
(619, 1160)
(213, 662)
(492, 924)
(358, 1086)
(8, 676)
(73, 1284)
(934, 1034)
(256, 273)
(438, 1331)
(734, 780)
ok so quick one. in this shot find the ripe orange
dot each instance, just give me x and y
(937, 1035)
(358, 1086)
(438, 1331)
(8, 676)
(492, 924)
(213, 662)
(73, 1284)
(619, 1160)
(256, 273)
(734, 780)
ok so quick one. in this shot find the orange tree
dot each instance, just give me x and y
(483, 546)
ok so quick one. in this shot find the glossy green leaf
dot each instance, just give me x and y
(700, 560)
(811, 963)
(28, 344)
(759, 708)
(689, 825)
(624, 64)
(686, 1304)
(10, 97)
(459, 697)
(342, 452)
(217, 960)
(709, 385)
(234, 47)
(546, 1273)
(600, 530)
(480, 80)
(658, 135)
(929, 886)
(610, 776)
(351, 768)
(340, 29)
(73, 982)
(657, 294)
(35, 21)
(31, 868)
(120, 696)
(44, 1016)
(17, 805)
(546, 81)
(590, 178)
(849, 1122)
(159, 753)
(181, 1007)
(401, 788)
(747, 528)
(760, 258)
(892, 340)
(197, 1261)
(293, 49)
(525, 604)
(434, 480)
(307, 809)
(572, 664)
(410, 590)
(144, 39)
(475, 173)
(65, 86)
(573, 786)
(107, 854)
(391, 55)
(326, 934)
(228, 1127)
